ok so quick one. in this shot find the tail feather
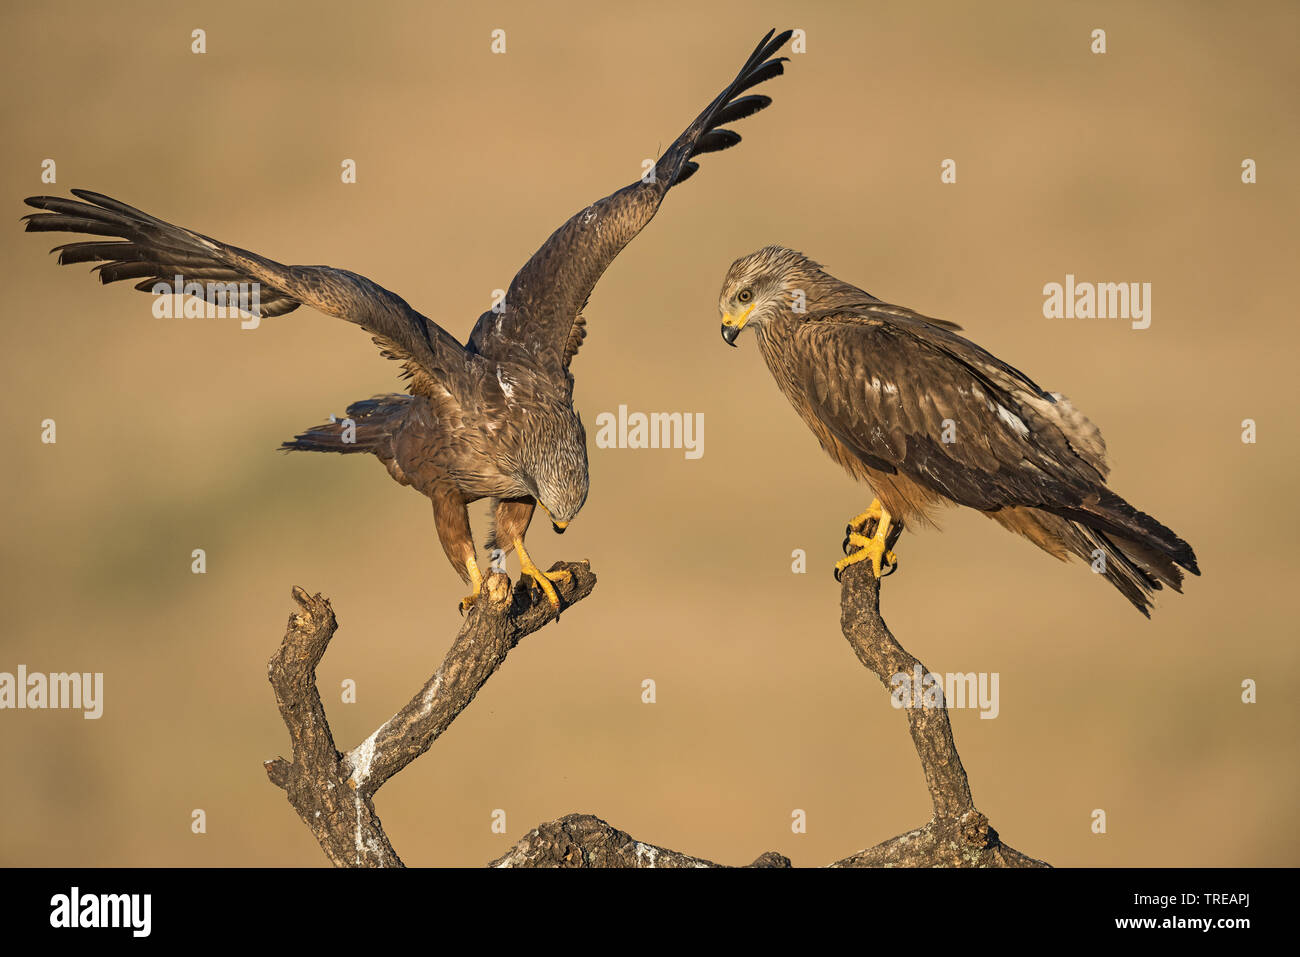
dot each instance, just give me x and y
(369, 426)
(1137, 569)
(1117, 518)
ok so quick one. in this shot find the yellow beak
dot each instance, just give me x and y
(558, 526)
(731, 325)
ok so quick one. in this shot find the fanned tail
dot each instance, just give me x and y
(369, 426)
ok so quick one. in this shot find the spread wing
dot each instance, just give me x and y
(541, 323)
(144, 248)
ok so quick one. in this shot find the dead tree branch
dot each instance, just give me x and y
(334, 793)
(581, 840)
(958, 835)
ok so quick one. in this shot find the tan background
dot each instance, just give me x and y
(1123, 167)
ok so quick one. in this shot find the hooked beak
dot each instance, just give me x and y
(731, 325)
(558, 526)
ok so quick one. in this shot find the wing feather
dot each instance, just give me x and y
(154, 251)
(545, 300)
(919, 400)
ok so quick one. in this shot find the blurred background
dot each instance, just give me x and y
(1117, 167)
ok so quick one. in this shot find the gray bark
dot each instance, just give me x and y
(334, 792)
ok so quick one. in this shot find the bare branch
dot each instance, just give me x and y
(966, 842)
(958, 835)
(581, 840)
(332, 792)
(876, 647)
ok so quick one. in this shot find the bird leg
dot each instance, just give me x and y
(452, 522)
(510, 522)
(542, 578)
(476, 577)
(874, 548)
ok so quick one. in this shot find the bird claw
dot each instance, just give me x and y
(890, 562)
(467, 603)
(874, 535)
(851, 533)
(473, 576)
(543, 581)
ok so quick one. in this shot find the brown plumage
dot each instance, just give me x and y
(926, 417)
(491, 419)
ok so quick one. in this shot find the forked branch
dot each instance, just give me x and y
(334, 792)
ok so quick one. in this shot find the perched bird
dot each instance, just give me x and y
(925, 417)
(490, 419)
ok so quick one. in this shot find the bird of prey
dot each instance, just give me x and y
(493, 418)
(925, 416)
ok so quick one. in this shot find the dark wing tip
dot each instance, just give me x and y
(688, 170)
(759, 75)
(715, 140)
(730, 106)
(742, 107)
(90, 196)
(781, 40)
(770, 43)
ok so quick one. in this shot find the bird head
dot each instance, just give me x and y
(762, 286)
(556, 468)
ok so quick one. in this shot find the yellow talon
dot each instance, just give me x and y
(543, 582)
(874, 510)
(542, 579)
(476, 577)
(871, 549)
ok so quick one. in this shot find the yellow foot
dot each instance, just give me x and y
(875, 548)
(476, 577)
(858, 523)
(541, 578)
(544, 580)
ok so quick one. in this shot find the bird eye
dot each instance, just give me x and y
(745, 295)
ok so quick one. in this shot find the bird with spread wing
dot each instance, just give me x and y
(490, 419)
(926, 417)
